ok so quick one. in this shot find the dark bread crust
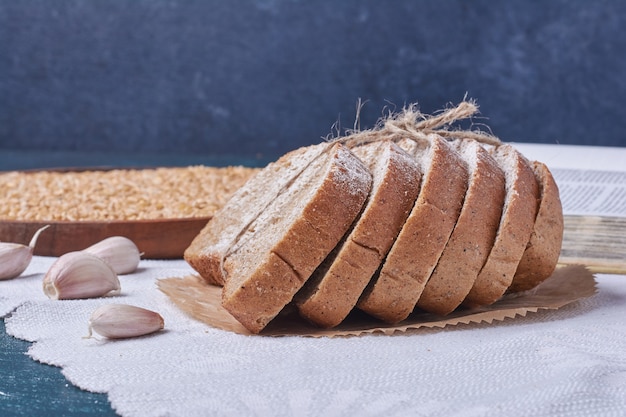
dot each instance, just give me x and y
(282, 248)
(393, 292)
(544, 247)
(473, 235)
(209, 248)
(467, 238)
(334, 289)
(516, 225)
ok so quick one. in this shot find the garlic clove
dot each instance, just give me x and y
(119, 252)
(117, 321)
(15, 258)
(80, 275)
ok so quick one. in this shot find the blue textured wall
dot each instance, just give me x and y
(267, 76)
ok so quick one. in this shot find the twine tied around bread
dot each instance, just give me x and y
(412, 124)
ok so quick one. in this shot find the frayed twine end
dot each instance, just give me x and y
(411, 123)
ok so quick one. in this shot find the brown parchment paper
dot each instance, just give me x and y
(203, 302)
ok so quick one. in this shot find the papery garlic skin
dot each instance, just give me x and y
(15, 258)
(80, 275)
(118, 321)
(119, 252)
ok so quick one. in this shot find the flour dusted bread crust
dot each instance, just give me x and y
(208, 250)
(473, 235)
(516, 225)
(544, 247)
(282, 247)
(335, 287)
(408, 217)
(393, 292)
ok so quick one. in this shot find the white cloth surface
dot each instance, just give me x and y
(569, 362)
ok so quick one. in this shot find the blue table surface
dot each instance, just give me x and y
(29, 388)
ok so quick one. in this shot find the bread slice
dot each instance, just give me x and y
(333, 290)
(544, 247)
(516, 225)
(394, 290)
(209, 248)
(293, 235)
(473, 235)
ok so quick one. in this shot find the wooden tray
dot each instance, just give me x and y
(157, 239)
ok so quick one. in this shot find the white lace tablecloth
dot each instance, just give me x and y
(569, 362)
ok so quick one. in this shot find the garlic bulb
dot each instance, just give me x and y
(119, 252)
(116, 321)
(80, 275)
(15, 258)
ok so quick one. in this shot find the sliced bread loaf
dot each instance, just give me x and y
(209, 248)
(473, 235)
(544, 247)
(394, 290)
(334, 288)
(516, 225)
(284, 245)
